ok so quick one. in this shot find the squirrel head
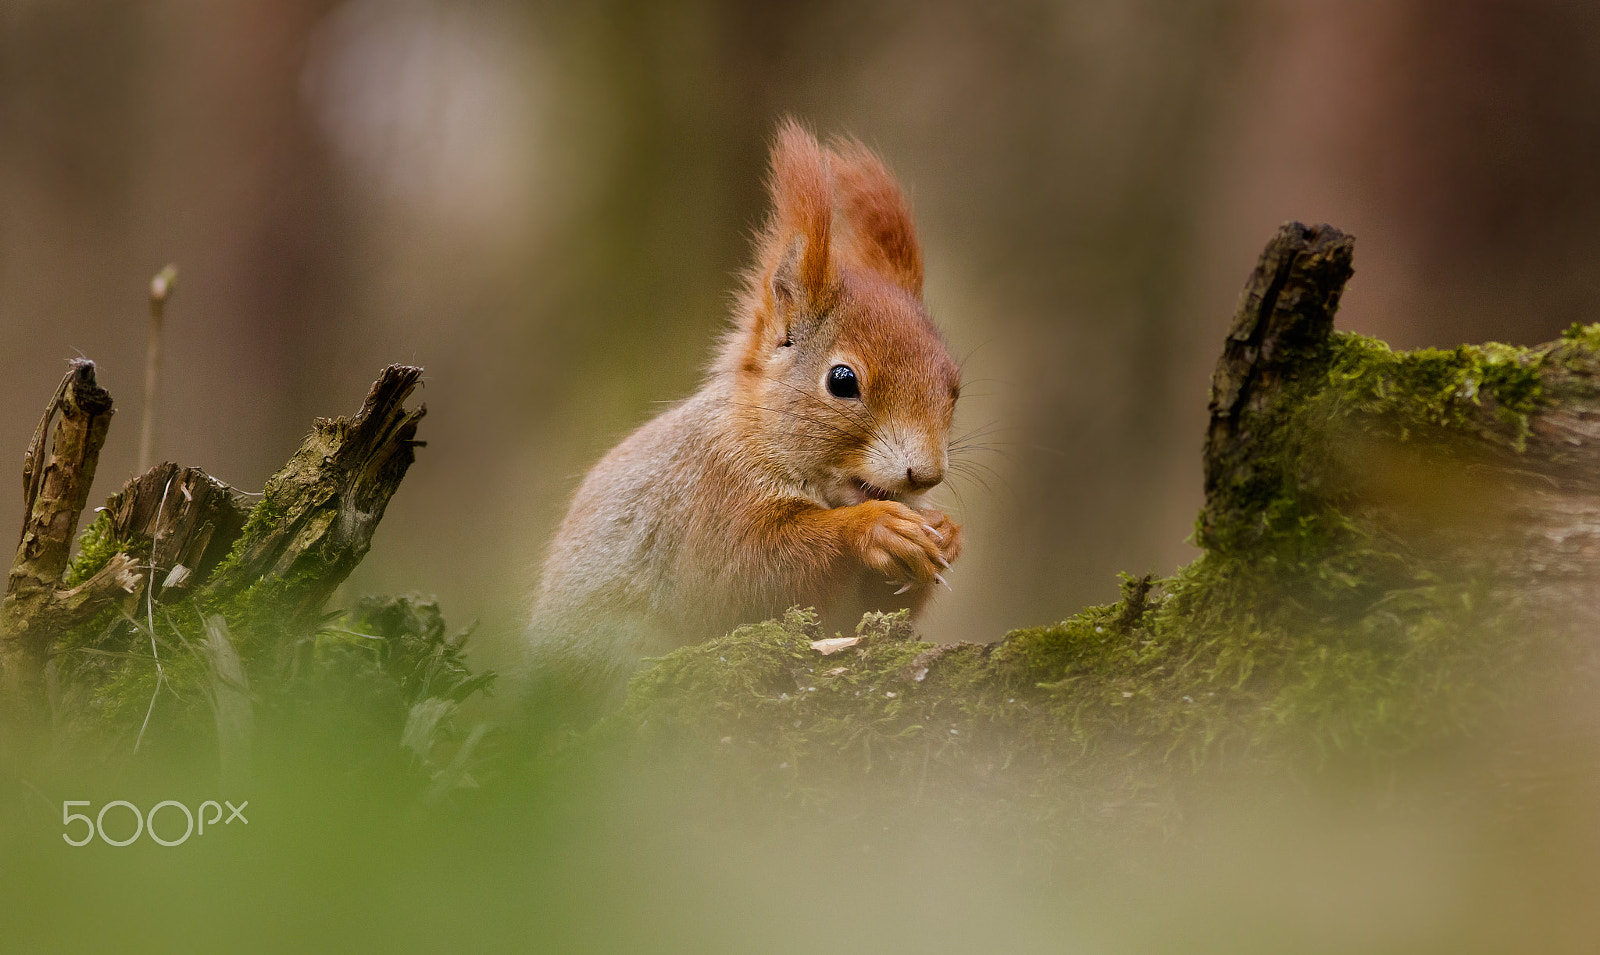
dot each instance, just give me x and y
(840, 378)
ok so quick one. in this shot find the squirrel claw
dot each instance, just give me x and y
(942, 562)
(936, 535)
(905, 587)
(941, 580)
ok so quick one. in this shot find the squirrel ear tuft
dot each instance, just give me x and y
(882, 235)
(797, 258)
(794, 278)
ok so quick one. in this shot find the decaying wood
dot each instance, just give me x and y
(189, 517)
(55, 489)
(1511, 498)
(327, 501)
(1280, 330)
(190, 535)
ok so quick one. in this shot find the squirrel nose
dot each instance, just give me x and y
(920, 479)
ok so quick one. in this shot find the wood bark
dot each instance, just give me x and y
(55, 488)
(1280, 331)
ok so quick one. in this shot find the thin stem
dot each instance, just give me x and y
(160, 287)
(149, 608)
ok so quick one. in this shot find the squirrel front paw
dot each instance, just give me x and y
(947, 532)
(906, 546)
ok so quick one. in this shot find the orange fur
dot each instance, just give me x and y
(768, 487)
(883, 236)
(803, 205)
(794, 257)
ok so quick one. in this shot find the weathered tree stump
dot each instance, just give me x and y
(175, 536)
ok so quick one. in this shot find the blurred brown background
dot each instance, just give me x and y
(546, 205)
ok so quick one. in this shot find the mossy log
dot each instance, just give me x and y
(176, 537)
(1394, 544)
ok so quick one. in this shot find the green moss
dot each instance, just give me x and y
(1288, 502)
(96, 546)
(264, 514)
(771, 704)
(407, 638)
(1115, 706)
(370, 665)
(1473, 388)
(743, 682)
(363, 670)
(1585, 335)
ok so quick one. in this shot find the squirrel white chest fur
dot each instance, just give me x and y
(797, 474)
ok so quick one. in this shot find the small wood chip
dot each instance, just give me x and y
(834, 644)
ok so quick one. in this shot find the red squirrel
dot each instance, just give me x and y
(797, 474)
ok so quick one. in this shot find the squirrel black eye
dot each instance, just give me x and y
(842, 382)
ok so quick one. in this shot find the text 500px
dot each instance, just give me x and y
(145, 823)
